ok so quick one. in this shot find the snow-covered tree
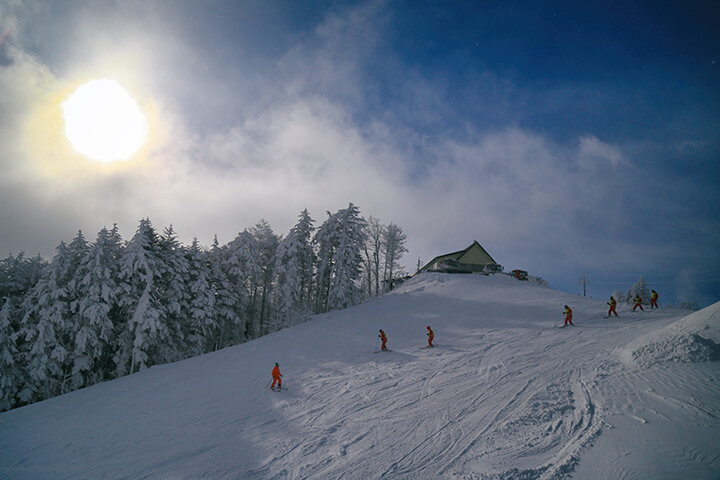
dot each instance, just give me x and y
(372, 253)
(50, 320)
(294, 272)
(244, 271)
(231, 328)
(640, 288)
(99, 310)
(340, 239)
(266, 242)
(202, 324)
(394, 240)
(141, 276)
(11, 375)
(19, 274)
(175, 296)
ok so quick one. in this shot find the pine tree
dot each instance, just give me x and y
(341, 239)
(640, 288)
(267, 243)
(11, 375)
(141, 271)
(202, 324)
(294, 271)
(99, 310)
(230, 327)
(175, 296)
(50, 320)
(244, 272)
(19, 274)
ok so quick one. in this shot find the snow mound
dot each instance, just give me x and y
(694, 339)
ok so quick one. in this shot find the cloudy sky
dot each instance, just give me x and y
(570, 139)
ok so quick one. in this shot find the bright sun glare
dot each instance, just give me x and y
(103, 122)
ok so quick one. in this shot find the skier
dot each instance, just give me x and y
(384, 340)
(613, 304)
(568, 316)
(638, 303)
(277, 377)
(431, 336)
(653, 300)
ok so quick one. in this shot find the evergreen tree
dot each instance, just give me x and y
(294, 271)
(19, 274)
(141, 276)
(99, 310)
(244, 273)
(175, 296)
(50, 320)
(267, 243)
(11, 375)
(230, 327)
(202, 324)
(640, 288)
(341, 239)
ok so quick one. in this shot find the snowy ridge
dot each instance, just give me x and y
(695, 338)
(504, 394)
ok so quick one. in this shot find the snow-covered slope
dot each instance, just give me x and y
(505, 394)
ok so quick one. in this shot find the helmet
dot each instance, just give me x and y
(277, 364)
(380, 330)
(428, 327)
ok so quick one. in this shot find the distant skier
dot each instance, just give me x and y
(613, 304)
(638, 303)
(384, 341)
(277, 377)
(568, 316)
(653, 300)
(431, 336)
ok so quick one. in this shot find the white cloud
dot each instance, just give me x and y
(532, 201)
(592, 150)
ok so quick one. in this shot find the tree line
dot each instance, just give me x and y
(104, 309)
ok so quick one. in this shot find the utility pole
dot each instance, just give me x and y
(583, 282)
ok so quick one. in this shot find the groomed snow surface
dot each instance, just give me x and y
(505, 394)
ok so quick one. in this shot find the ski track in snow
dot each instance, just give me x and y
(504, 395)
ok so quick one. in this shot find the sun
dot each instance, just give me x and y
(103, 122)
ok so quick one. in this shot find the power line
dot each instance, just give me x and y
(664, 282)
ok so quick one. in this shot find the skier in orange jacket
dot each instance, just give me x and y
(638, 303)
(613, 304)
(384, 341)
(568, 316)
(431, 336)
(277, 376)
(653, 300)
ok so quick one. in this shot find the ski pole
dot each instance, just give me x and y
(376, 343)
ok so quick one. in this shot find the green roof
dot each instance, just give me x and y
(475, 254)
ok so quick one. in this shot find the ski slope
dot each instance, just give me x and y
(505, 394)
